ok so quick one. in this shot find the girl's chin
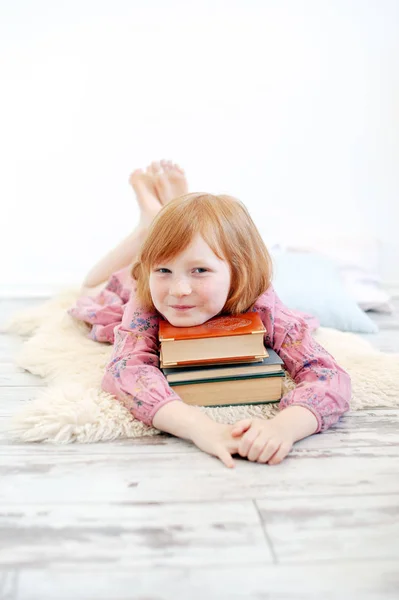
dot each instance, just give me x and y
(183, 320)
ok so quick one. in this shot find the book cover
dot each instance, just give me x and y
(227, 393)
(272, 359)
(227, 325)
(231, 378)
(271, 364)
(197, 362)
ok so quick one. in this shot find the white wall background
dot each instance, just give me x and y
(290, 105)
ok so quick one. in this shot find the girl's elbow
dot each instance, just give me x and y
(344, 389)
(107, 383)
(348, 394)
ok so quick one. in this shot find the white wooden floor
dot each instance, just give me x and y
(156, 519)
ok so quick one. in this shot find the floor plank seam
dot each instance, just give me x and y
(8, 582)
(265, 533)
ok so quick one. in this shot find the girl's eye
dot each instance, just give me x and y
(163, 269)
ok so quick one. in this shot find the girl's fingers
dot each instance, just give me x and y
(260, 446)
(280, 454)
(270, 449)
(241, 426)
(226, 458)
(246, 441)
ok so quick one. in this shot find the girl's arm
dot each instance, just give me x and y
(180, 419)
(321, 396)
(323, 387)
(189, 422)
(133, 376)
(299, 420)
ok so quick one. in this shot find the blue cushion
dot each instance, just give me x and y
(310, 282)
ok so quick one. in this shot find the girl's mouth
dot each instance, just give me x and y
(182, 307)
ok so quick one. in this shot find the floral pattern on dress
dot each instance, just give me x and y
(144, 323)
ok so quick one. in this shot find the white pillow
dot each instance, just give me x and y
(368, 295)
(357, 257)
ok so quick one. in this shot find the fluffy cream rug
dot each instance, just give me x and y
(72, 407)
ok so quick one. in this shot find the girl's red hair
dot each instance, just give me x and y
(227, 228)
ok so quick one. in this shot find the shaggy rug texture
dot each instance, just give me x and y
(72, 407)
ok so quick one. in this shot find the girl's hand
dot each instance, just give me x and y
(217, 439)
(263, 440)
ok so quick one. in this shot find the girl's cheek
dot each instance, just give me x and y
(209, 292)
(160, 288)
(204, 287)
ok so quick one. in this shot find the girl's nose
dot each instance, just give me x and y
(180, 288)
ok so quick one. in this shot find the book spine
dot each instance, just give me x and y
(212, 335)
(206, 361)
(229, 378)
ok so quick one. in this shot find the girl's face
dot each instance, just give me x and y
(196, 278)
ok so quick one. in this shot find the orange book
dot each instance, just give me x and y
(226, 338)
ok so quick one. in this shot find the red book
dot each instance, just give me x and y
(222, 339)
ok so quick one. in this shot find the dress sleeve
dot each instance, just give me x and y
(104, 310)
(322, 385)
(133, 374)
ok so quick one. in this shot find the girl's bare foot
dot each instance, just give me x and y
(168, 179)
(149, 204)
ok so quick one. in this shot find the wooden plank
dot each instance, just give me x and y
(175, 534)
(367, 580)
(357, 430)
(194, 476)
(162, 443)
(313, 529)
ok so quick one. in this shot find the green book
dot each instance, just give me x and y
(270, 366)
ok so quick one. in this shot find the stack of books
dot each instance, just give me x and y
(221, 362)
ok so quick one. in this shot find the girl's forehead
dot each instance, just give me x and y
(192, 258)
(198, 248)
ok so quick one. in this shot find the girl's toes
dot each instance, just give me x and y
(136, 176)
(156, 167)
(161, 183)
(178, 169)
(161, 179)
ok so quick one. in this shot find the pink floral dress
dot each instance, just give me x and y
(133, 375)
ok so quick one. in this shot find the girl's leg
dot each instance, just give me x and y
(116, 259)
(158, 185)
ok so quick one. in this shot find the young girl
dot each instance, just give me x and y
(197, 256)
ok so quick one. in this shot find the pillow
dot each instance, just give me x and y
(358, 258)
(369, 295)
(311, 283)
